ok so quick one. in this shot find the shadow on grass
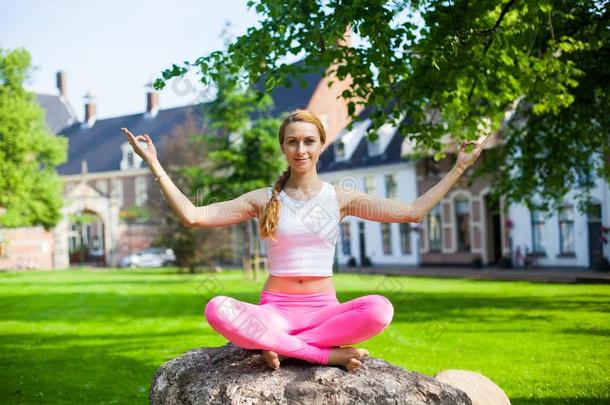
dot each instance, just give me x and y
(87, 306)
(40, 366)
(73, 374)
(115, 341)
(57, 367)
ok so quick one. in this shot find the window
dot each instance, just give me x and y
(434, 229)
(462, 219)
(346, 239)
(405, 238)
(566, 230)
(141, 194)
(130, 160)
(431, 169)
(369, 185)
(116, 190)
(339, 150)
(373, 147)
(537, 231)
(390, 186)
(386, 236)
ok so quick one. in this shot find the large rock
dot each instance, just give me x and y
(480, 389)
(231, 375)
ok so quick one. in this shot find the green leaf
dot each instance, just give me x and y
(553, 54)
(508, 61)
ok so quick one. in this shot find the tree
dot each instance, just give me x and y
(449, 65)
(30, 189)
(244, 146)
(236, 152)
(245, 152)
(184, 155)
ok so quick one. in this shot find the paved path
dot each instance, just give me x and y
(551, 275)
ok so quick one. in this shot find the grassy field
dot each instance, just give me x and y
(97, 336)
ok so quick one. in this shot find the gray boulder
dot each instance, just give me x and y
(231, 375)
(480, 389)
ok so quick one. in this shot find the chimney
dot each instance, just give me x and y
(90, 113)
(60, 79)
(152, 101)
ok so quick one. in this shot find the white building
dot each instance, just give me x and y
(466, 228)
(566, 237)
(375, 168)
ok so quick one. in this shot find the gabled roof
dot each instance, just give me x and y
(100, 145)
(84, 190)
(287, 98)
(360, 157)
(58, 112)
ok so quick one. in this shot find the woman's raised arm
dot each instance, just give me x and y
(213, 215)
(373, 208)
(378, 209)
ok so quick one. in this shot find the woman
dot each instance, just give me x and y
(298, 314)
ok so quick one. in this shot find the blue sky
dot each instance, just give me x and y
(113, 48)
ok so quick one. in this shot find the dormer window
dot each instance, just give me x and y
(130, 159)
(385, 134)
(431, 168)
(374, 147)
(339, 150)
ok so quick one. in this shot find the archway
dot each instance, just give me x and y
(86, 241)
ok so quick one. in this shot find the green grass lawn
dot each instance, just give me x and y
(97, 336)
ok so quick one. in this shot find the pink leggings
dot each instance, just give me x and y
(303, 326)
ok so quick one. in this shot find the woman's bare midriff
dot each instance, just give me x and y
(299, 284)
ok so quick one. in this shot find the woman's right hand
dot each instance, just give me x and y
(148, 154)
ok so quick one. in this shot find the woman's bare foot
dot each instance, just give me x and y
(349, 357)
(272, 359)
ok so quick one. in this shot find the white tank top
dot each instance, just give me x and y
(306, 235)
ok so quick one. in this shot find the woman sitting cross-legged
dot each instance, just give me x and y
(298, 314)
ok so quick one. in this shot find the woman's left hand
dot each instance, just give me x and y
(470, 151)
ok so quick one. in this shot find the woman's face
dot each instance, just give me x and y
(302, 146)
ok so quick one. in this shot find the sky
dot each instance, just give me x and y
(112, 48)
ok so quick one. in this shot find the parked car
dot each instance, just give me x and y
(151, 257)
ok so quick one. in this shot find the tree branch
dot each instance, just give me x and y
(505, 10)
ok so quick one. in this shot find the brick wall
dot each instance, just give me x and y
(27, 247)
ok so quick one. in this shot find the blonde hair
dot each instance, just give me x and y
(271, 212)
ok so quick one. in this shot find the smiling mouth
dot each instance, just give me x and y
(301, 160)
